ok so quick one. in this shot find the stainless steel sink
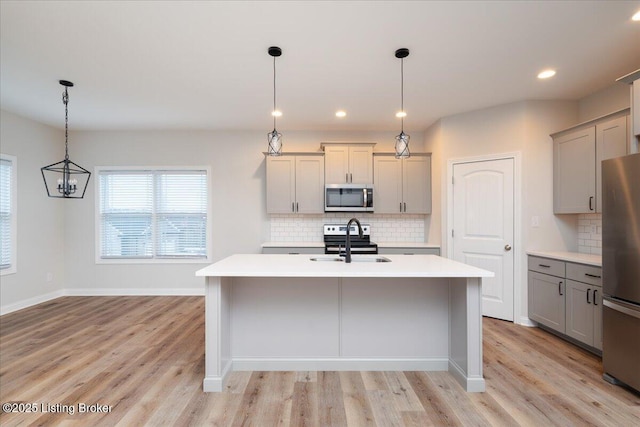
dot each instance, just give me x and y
(354, 258)
(327, 258)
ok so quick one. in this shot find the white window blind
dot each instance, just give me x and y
(153, 214)
(7, 214)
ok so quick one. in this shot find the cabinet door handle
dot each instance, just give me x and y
(593, 275)
(588, 290)
(346, 178)
(590, 203)
(400, 206)
(560, 287)
(544, 265)
(297, 207)
(405, 206)
(351, 178)
(595, 301)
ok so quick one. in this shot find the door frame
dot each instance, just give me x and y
(518, 249)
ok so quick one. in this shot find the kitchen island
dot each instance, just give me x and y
(306, 312)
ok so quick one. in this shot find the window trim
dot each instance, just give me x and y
(98, 223)
(13, 268)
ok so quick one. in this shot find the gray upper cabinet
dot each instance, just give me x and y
(577, 155)
(611, 141)
(402, 186)
(295, 184)
(574, 179)
(633, 79)
(348, 163)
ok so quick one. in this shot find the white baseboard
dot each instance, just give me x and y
(26, 303)
(90, 292)
(525, 321)
(104, 292)
(216, 384)
(339, 364)
(470, 384)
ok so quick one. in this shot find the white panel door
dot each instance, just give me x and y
(483, 228)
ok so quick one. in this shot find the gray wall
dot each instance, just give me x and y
(40, 224)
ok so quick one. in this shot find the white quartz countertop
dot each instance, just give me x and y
(589, 259)
(266, 265)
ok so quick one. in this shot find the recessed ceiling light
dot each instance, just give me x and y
(636, 16)
(401, 114)
(341, 113)
(546, 74)
(277, 113)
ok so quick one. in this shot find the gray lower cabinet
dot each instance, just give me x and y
(584, 304)
(567, 298)
(293, 250)
(584, 315)
(546, 300)
(408, 251)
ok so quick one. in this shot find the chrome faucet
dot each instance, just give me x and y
(347, 255)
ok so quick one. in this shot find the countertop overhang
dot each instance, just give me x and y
(579, 258)
(267, 265)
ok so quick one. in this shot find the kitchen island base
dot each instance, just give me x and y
(264, 323)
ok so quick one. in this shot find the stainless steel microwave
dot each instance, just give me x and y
(348, 198)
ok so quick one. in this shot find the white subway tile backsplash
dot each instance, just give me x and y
(590, 234)
(384, 228)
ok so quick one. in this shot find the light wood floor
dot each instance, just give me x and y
(144, 357)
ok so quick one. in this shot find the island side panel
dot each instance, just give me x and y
(285, 323)
(405, 319)
(465, 339)
(217, 332)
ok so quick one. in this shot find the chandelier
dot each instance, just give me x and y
(65, 179)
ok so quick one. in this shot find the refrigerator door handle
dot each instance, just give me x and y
(622, 309)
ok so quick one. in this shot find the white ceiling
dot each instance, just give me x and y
(204, 65)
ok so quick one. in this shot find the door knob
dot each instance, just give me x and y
(507, 248)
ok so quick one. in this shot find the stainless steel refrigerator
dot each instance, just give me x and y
(621, 270)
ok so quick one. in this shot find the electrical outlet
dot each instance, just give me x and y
(593, 229)
(49, 277)
(535, 221)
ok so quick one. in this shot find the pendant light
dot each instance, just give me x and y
(274, 137)
(402, 140)
(65, 179)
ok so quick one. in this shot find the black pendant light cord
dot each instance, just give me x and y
(65, 100)
(274, 93)
(402, 94)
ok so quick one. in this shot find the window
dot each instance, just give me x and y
(152, 214)
(8, 217)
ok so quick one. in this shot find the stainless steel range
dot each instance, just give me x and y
(335, 239)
